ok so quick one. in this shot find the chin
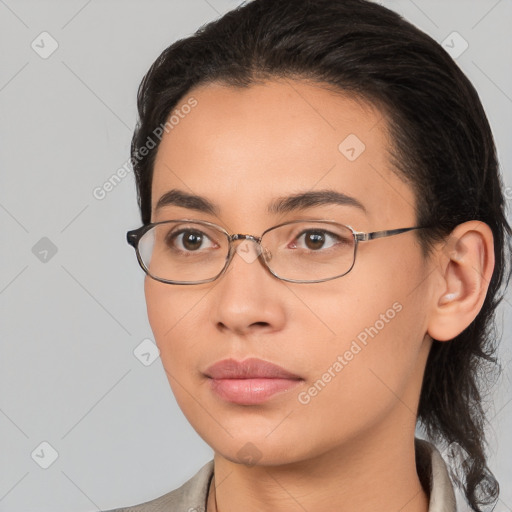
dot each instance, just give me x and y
(254, 446)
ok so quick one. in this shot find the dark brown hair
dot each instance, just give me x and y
(442, 146)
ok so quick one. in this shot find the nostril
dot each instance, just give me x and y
(260, 324)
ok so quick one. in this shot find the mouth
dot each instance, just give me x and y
(249, 382)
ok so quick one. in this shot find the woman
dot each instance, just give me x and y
(325, 245)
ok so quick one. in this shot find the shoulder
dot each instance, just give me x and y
(191, 496)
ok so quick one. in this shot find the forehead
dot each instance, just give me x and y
(244, 147)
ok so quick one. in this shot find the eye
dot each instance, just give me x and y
(316, 239)
(189, 240)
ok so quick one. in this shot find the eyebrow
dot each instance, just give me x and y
(294, 202)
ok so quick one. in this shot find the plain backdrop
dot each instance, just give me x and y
(75, 393)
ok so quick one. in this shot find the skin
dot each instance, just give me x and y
(352, 445)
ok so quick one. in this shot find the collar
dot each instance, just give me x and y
(433, 474)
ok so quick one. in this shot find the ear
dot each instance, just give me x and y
(466, 264)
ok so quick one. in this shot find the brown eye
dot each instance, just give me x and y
(314, 240)
(187, 240)
(191, 240)
(317, 239)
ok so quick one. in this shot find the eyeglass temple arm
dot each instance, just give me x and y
(363, 237)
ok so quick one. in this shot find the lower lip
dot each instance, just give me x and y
(250, 391)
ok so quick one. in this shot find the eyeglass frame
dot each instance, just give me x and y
(133, 237)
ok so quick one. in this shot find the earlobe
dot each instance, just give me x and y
(466, 262)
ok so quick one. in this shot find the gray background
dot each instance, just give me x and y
(71, 319)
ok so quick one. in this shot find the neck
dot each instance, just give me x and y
(376, 472)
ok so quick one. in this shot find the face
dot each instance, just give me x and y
(356, 344)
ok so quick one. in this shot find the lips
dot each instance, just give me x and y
(248, 369)
(249, 382)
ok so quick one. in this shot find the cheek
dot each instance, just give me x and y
(345, 330)
(371, 367)
(372, 334)
(172, 314)
(161, 307)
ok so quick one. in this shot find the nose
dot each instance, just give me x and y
(248, 298)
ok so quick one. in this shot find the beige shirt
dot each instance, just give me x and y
(192, 495)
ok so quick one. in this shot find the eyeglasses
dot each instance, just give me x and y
(187, 251)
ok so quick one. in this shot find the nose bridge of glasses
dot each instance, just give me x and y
(241, 236)
(247, 251)
(245, 244)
